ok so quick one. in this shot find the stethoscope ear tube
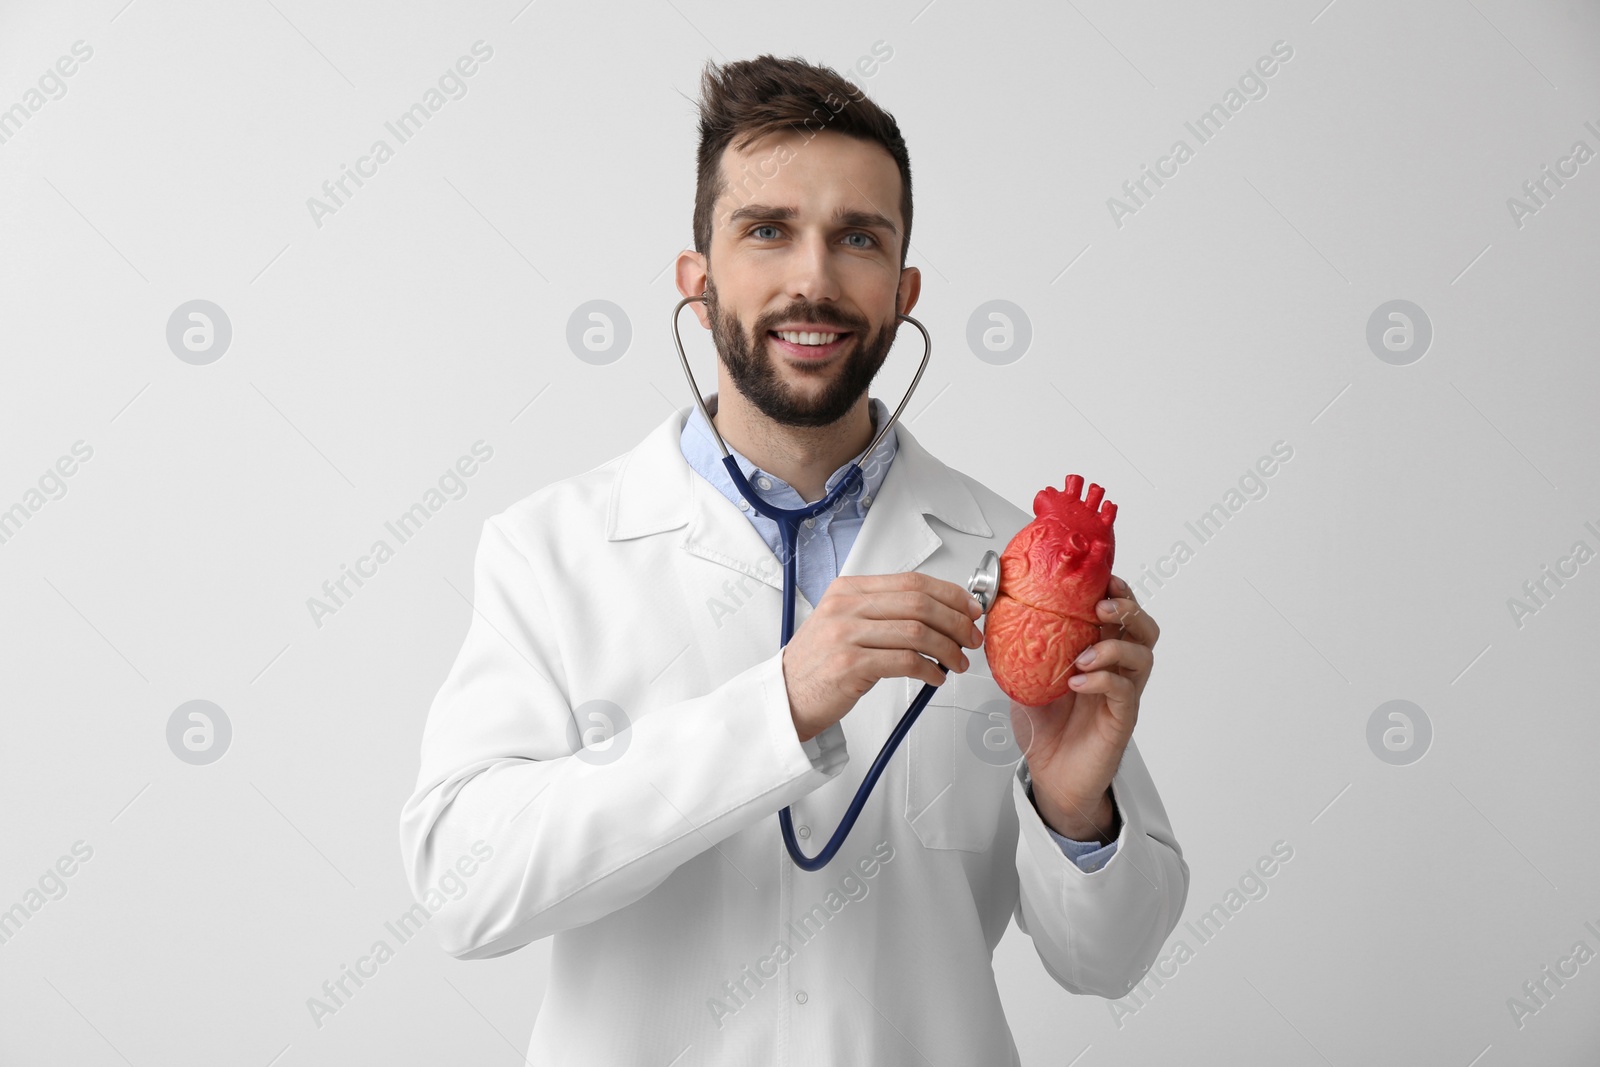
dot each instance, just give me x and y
(789, 525)
(927, 352)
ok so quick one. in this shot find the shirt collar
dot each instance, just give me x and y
(651, 489)
(700, 449)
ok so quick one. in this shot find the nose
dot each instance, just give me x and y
(811, 275)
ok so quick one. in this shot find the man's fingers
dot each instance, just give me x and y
(899, 663)
(913, 595)
(1121, 609)
(949, 593)
(914, 635)
(952, 621)
(1120, 691)
(1136, 623)
(958, 611)
(1116, 655)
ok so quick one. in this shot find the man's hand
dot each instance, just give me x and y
(1074, 743)
(872, 626)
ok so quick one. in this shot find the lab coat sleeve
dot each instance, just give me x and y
(1099, 932)
(575, 833)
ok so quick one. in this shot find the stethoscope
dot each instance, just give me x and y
(983, 584)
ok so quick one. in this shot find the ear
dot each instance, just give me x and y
(910, 287)
(690, 273)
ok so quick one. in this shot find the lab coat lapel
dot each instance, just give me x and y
(896, 535)
(657, 491)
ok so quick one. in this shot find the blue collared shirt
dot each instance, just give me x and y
(824, 541)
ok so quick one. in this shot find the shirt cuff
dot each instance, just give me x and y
(1088, 856)
(827, 750)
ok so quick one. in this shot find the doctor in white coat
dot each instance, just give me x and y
(606, 759)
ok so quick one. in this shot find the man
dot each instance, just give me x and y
(643, 598)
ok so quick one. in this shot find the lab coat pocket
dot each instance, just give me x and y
(960, 764)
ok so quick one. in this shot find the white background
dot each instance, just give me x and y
(1168, 354)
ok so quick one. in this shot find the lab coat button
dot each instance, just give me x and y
(800, 996)
(765, 483)
(805, 831)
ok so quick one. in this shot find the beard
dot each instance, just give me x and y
(752, 362)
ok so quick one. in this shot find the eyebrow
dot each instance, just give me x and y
(870, 220)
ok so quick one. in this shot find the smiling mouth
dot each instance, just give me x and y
(815, 345)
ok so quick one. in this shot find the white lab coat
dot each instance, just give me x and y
(655, 860)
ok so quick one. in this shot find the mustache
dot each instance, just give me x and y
(822, 316)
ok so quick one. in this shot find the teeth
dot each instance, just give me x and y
(796, 338)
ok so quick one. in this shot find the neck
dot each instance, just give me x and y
(803, 456)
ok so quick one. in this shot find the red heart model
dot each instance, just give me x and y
(1052, 574)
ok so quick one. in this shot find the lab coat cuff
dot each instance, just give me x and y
(824, 752)
(1089, 861)
(1059, 898)
(827, 750)
(1090, 856)
(1098, 932)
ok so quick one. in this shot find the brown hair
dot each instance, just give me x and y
(747, 99)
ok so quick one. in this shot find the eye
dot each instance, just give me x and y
(765, 226)
(871, 239)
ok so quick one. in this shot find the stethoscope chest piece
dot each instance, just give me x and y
(985, 581)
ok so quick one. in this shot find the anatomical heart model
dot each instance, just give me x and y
(1051, 576)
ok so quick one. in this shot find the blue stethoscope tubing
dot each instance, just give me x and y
(789, 521)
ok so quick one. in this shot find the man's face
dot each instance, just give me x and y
(806, 240)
